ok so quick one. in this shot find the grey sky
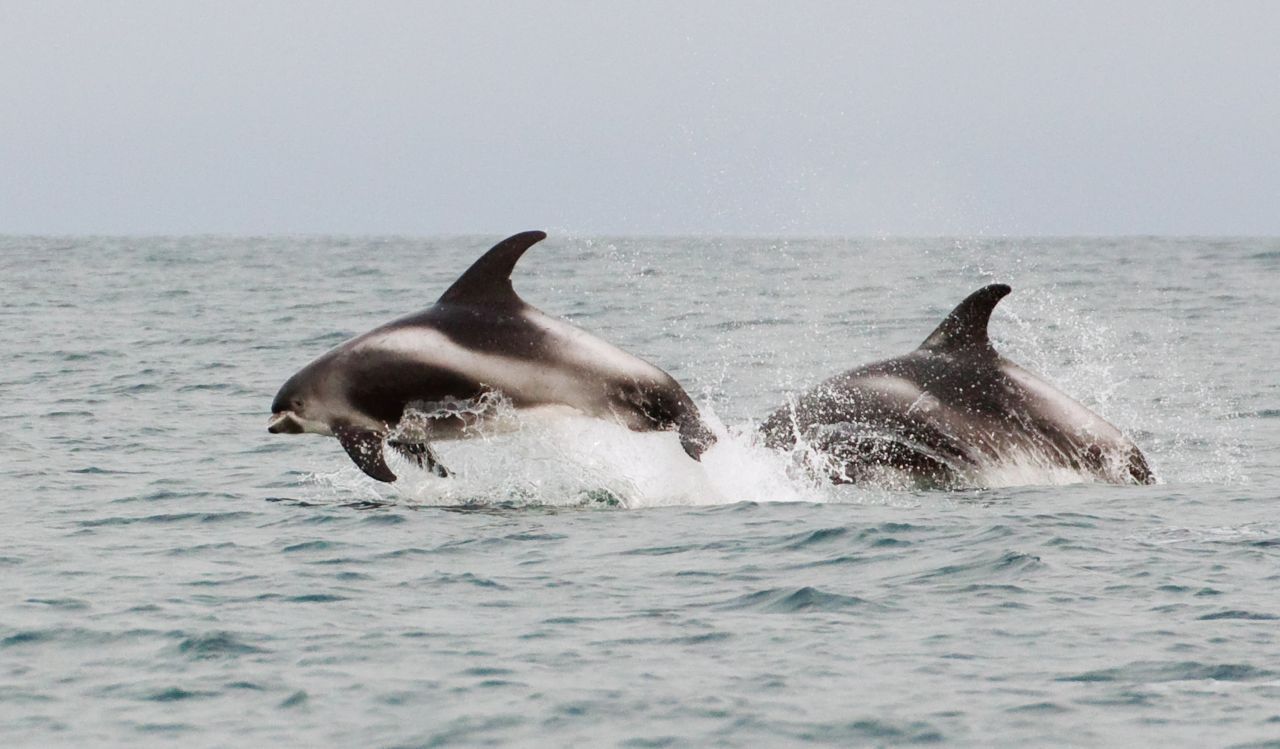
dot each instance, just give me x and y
(640, 117)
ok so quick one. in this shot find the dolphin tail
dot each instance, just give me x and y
(667, 405)
(1139, 469)
(695, 436)
(365, 449)
(1116, 464)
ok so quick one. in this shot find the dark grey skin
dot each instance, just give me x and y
(480, 342)
(952, 407)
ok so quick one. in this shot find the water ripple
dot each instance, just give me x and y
(177, 575)
(1152, 671)
(798, 600)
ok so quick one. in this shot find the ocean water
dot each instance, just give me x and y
(174, 575)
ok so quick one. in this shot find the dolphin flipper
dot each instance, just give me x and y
(858, 459)
(365, 449)
(966, 326)
(488, 280)
(422, 454)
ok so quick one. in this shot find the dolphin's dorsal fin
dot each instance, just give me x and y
(966, 326)
(488, 280)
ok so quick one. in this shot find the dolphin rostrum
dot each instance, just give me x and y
(949, 409)
(479, 344)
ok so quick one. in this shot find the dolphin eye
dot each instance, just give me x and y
(296, 403)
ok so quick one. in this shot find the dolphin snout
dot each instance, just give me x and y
(283, 422)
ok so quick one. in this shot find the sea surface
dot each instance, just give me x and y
(173, 575)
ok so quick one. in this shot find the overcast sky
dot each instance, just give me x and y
(640, 117)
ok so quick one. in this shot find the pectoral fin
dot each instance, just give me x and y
(365, 449)
(422, 454)
(859, 458)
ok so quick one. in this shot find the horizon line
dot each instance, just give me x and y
(611, 235)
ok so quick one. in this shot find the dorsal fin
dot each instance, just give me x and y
(488, 280)
(966, 326)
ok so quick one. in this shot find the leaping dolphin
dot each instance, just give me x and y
(949, 409)
(478, 342)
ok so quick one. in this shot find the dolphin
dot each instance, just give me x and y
(451, 363)
(951, 408)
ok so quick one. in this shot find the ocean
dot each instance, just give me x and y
(173, 575)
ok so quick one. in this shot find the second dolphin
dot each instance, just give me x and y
(950, 410)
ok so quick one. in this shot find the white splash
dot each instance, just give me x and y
(559, 458)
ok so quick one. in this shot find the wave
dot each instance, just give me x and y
(1155, 671)
(799, 600)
